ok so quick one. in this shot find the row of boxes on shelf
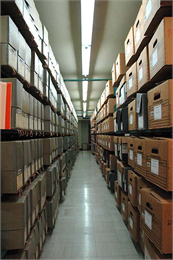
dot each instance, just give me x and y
(143, 205)
(30, 157)
(150, 157)
(107, 109)
(36, 212)
(17, 54)
(149, 16)
(21, 110)
(151, 110)
(152, 206)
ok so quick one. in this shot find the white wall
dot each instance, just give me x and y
(83, 128)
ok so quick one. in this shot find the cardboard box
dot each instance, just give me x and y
(159, 162)
(11, 171)
(110, 125)
(160, 51)
(114, 83)
(122, 172)
(151, 252)
(15, 223)
(156, 218)
(110, 143)
(132, 80)
(140, 40)
(117, 191)
(141, 184)
(142, 111)
(107, 175)
(9, 32)
(124, 205)
(117, 96)
(120, 67)
(122, 91)
(112, 162)
(116, 146)
(123, 148)
(132, 116)
(160, 106)
(154, 12)
(132, 187)
(140, 155)
(131, 156)
(129, 46)
(8, 56)
(143, 70)
(110, 105)
(109, 89)
(134, 222)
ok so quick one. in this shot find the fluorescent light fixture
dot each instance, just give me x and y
(87, 15)
(84, 114)
(86, 52)
(84, 106)
(85, 90)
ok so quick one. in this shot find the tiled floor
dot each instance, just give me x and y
(89, 225)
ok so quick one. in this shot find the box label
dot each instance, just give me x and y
(119, 179)
(121, 125)
(148, 9)
(139, 198)
(131, 222)
(148, 219)
(130, 82)
(158, 112)
(128, 49)
(139, 159)
(12, 59)
(115, 126)
(130, 189)
(137, 34)
(19, 181)
(155, 57)
(155, 166)
(116, 148)
(131, 119)
(140, 75)
(19, 119)
(131, 155)
(109, 146)
(147, 255)
(123, 206)
(140, 122)
(116, 195)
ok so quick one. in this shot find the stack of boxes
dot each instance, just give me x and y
(142, 131)
(31, 104)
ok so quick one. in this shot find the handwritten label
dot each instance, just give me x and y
(131, 119)
(155, 58)
(148, 219)
(131, 155)
(130, 82)
(155, 166)
(158, 112)
(140, 75)
(130, 189)
(139, 159)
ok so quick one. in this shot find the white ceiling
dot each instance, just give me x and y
(112, 21)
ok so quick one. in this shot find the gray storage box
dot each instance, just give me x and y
(35, 105)
(25, 104)
(47, 113)
(26, 160)
(20, 66)
(28, 55)
(142, 110)
(48, 126)
(27, 73)
(9, 32)
(17, 92)
(16, 118)
(34, 62)
(8, 56)
(11, 170)
(22, 47)
(34, 79)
